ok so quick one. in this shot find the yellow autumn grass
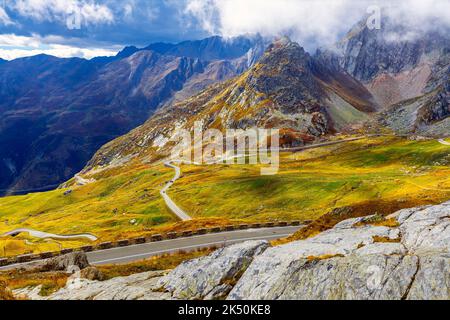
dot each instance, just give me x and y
(371, 175)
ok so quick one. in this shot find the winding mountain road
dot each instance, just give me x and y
(180, 213)
(138, 252)
(445, 143)
(45, 235)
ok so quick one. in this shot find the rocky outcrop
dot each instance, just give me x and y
(212, 277)
(136, 287)
(410, 261)
(71, 262)
(403, 256)
(92, 273)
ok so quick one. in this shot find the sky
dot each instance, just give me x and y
(89, 28)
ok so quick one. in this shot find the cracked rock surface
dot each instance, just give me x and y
(212, 277)
(347, 263)
(136, 287)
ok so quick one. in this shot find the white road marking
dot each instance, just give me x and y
(190, 247)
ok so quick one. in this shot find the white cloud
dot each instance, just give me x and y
(420, 15)
(128, 10)
(4, 18)
(89, 11)
(313, 22)
(13, 46)
(57, 51)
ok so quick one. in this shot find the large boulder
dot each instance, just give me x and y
(213, 276)
(71, 263)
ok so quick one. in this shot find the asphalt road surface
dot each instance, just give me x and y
(143, 251)
(169, 202)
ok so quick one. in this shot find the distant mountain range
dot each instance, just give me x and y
(55, 113)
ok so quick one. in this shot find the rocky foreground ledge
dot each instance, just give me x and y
(406, 256)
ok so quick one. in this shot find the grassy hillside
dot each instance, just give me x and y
(314, 182)
(125, 202)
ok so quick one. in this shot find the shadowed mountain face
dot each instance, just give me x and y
(406, 72)
(287, 89)
(55, 113)
(214, 48)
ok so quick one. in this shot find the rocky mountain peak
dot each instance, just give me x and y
(286, 47)
(127, 51)
(287, 89)
(403, 67)
(284, 72)
(393, 49)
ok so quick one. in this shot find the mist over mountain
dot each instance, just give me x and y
(406, 72)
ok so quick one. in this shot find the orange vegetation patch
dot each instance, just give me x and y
(378, 221)
(378, 207)
(50, 281)
(157, 263)
(325, 257)
(289, 137)
(378, 239)
(5, 292)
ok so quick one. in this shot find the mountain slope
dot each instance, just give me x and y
(55, 113)
(213, 48)
(286, 89)
(405, 70)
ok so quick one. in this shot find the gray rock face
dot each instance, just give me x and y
(336, 279)
(213, 276)
(367, 53)
(71, 262)
(209, 277)
(136, 287)
(414, 267)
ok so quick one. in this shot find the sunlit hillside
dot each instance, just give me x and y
(373, 175)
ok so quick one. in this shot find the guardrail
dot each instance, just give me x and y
(141, 240)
